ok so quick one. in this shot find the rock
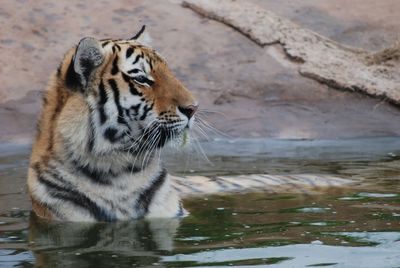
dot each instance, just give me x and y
(318, 57)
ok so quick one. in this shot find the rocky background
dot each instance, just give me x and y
(248, 90)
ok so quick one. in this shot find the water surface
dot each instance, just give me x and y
(342, 227)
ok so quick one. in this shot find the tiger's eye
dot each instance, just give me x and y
(141, 79)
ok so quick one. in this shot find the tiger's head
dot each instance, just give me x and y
(133, 97)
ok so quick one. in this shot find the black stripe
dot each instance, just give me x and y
(237, 186)
(72, 79)
(59, 106)
(127, 113)
(105, 43)
(86, 66)
(111, 134)
(91, 132)
(146, 197)
(101, 176)
(135, 108)
(133, 90)
(164, 136)
(118, 47)
(190, 187)
(150, 63)
(126, 77)
(73, 196)
(102, 101)
(132, 169)
(146, 109)
(132, 87)
(78, 199)
(220, 183)
(129, 52)
(133, 71)
(54, 173)
(114, 87)
(148, 81)
(115, 69)
(136, 59)
(97, 176)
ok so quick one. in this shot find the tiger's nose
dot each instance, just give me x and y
(188, 110)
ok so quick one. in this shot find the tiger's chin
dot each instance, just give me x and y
(175, 139)
(180, 140)
(164, 138)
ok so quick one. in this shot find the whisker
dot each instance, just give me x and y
(149, 131)
(197, 143)
(153, 144)
(216, 131)
(202, 132)
(206, 112)
(145, 146)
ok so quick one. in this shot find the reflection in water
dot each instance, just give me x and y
(60, 244)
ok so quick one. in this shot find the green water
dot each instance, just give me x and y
(342, 227)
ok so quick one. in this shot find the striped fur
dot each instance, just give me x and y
(109, 108)
(284, 183)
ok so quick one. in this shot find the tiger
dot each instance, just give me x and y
(108, 110)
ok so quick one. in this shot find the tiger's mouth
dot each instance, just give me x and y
(157, 136)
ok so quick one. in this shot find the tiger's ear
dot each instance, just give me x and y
(142, 37)
(88, 56)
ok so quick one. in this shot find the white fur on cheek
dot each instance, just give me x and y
(191, 122)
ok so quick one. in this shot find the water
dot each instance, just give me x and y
(341, 227)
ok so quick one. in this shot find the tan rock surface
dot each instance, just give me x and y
(317, 56)
(260, 93)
